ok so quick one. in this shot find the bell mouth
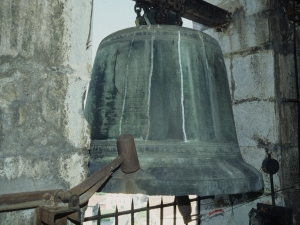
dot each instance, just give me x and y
(179, 168)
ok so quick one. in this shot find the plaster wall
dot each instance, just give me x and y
(44, 69)
(259, 62)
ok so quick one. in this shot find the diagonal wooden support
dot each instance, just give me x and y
(199, 11)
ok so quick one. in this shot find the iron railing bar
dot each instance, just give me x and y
(205, 197)
(161, 211)
(174, 212)
(198, 209)
(99, 215)
(117, 216)
(136, 210)
(148, 212)
(132, 212)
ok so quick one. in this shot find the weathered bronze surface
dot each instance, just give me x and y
(167, 86)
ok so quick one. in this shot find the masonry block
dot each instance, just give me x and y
(253, 76)
(253, 156)
(287, 90)
(36, 173)
(256, 123)
(290, 174)
(243, 32)
(248, 6)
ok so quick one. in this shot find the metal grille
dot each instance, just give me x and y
(146, 209)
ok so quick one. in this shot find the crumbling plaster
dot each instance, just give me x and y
(44, 70)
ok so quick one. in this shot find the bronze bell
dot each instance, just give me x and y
(167, 86)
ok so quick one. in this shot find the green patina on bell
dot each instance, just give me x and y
(167, 86)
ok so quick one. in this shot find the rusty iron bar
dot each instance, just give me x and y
(86, 196)
(148, 212)
(94, 179)
(49, 216)
(198, 209)
(87, 188)
(26, 200)
(126, 147)
(99, 214)
(199, 11)
(132, 212)
(161, 211)
(116, 217)
(174, 213)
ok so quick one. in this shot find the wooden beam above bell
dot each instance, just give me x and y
(199, 11)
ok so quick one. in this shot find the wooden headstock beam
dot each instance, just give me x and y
(199, 11)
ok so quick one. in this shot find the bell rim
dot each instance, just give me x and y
(140, 182)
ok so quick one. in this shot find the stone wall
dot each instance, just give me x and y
(257, 47)
(44, 69)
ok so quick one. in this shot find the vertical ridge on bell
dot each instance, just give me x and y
(207, 75)
(195, 118)
(191, 115)
(213, 98)
(136, 110)
(181, 89)
(100, 88)
(150, 80)
(165, 91)
(198, 121)
(219, 99)
(125, 84)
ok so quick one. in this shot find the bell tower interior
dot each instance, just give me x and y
(46, 64)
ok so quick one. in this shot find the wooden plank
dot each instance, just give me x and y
(199, 11)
